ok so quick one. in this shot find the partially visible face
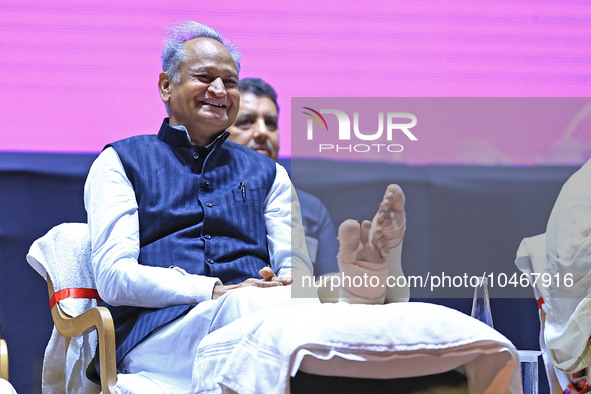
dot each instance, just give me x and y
(206, 99)
(256, 125)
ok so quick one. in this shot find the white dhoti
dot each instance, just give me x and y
(6, 388)
(167, 356)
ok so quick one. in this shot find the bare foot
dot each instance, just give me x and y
(369, 252)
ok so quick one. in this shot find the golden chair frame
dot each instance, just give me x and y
(98, 318)
(3, 360)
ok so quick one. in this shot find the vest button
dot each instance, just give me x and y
(195, 155)
(208, 204)
(206, 182)
(207, 236)
(210, 261)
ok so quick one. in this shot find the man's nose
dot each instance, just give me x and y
(261, 131)
(217, 87)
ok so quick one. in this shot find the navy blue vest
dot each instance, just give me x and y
(200, 208)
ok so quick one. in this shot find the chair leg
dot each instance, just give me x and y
(3, 360)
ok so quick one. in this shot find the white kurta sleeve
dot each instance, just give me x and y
(112, 211)
(285, 232)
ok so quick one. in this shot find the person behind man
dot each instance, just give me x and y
(257, 127)
(190, 232)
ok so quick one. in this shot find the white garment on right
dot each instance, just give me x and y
(568, 255)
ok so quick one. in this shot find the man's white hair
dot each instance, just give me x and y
(173, 50)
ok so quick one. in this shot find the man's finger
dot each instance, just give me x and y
(266, 273)
(266, 283)
(282, 279)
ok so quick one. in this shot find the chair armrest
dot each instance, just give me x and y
(3, 360)
(98, 318)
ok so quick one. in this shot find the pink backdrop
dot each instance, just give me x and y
(79, 74)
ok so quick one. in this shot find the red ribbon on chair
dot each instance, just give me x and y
(73, 293)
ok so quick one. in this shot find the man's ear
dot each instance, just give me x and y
(164, 85)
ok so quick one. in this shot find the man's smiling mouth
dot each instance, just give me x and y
(217, 105)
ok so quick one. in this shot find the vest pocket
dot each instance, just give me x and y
(248, 194)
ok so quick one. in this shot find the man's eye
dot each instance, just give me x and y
(203, 77)
(272, 125)
(231, 83)
(243, 124)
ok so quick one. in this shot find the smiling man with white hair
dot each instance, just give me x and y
(180, 218)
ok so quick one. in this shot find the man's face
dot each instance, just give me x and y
(206, 99)
(256, 125)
